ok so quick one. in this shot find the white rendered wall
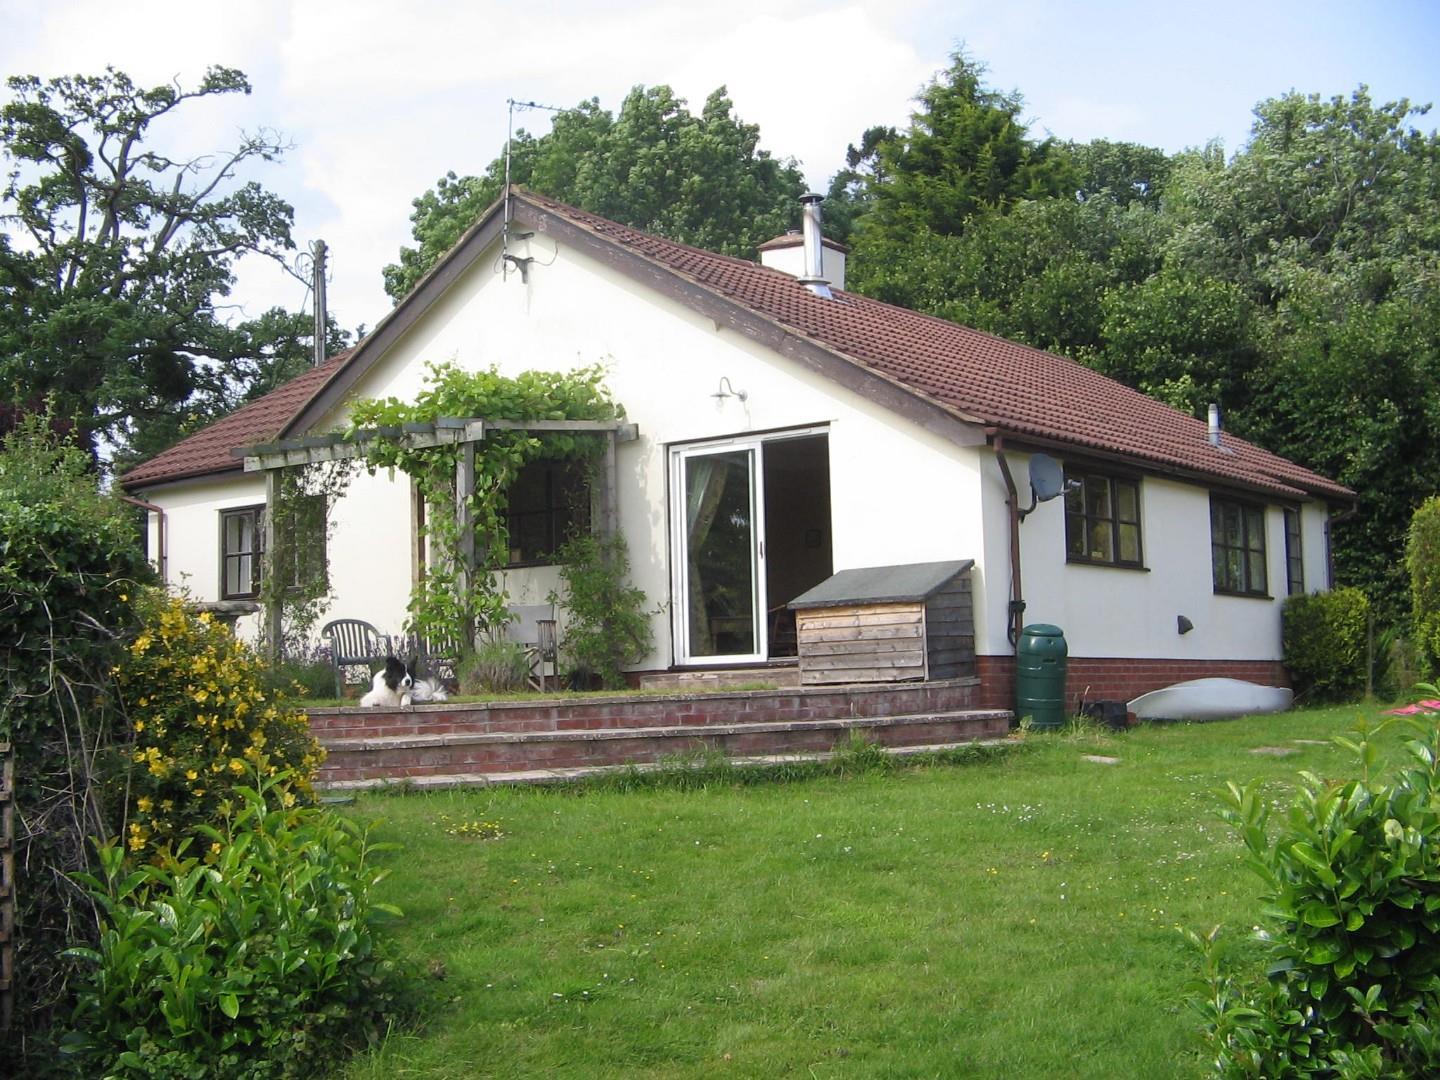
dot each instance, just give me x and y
(192, 542)
(898, 494)
(1113, 612)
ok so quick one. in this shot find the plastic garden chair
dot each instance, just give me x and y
(353, 643)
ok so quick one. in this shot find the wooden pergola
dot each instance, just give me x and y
(467, 432)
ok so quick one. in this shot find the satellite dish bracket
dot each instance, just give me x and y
(1047, 481)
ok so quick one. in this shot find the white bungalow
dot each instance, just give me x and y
(825, 431)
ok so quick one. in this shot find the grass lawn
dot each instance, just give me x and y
(1010, 917)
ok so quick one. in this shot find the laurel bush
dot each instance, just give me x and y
(259, 957)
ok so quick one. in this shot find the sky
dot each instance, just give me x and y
(380, 99)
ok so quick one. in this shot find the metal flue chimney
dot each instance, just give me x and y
(317, 283)
(814, 277)
(1214, 425)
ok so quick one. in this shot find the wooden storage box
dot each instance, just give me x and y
(887, 624)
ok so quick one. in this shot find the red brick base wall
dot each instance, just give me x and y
(1117, 679)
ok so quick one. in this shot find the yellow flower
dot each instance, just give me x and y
(144, 803)
(139, 725)
(167, 805)
(191, 774)
(236, 765)
(215, 848)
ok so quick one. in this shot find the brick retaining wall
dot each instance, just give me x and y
(1120, 679)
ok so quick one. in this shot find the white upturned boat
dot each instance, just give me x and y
(1211, 699)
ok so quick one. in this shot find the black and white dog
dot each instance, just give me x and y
(397, 686)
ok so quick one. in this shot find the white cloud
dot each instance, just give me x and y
(381, 97)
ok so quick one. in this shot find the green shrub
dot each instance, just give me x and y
(70, 560)
(606, 625)
(1324, 643)
(1422, 560)
(305, 671)
(260, 958)
(1352, 908)
(200, 722)
(496, 666)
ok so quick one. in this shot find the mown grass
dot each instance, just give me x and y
(1013, 916)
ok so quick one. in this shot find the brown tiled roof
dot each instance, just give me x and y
(1020, 391)
(1025, 394)
(208, 450)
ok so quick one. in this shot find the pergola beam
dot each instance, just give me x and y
(315, 450)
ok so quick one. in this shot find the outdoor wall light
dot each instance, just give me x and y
(1183, 624)
(726, 390)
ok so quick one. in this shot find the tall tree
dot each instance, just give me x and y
(701, 180)
(965, 157)
(118, 254)
(1328, 222)
(966, 150)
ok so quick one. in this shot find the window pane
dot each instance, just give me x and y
(1254, 529)
(1256, 582)
(1127, 499)
(1097, 497)
(1234, 536)
(1129, 543)
(1234, 570)
(1100, 542)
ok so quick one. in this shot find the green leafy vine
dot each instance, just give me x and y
(297, 571)
(440, 609)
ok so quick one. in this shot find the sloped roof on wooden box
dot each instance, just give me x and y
(907, 583)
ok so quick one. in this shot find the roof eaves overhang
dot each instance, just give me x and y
(1022, 440)
(794, 344)
(180, 480)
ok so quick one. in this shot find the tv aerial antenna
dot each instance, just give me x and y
(513, 106)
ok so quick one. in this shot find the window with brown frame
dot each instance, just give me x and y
(1237, 547)
(546, 504)
(1102, 519)
(242, 551)
(242, 548)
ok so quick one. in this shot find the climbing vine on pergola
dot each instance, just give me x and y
(463, 440)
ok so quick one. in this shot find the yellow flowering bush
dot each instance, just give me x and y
(200, 720)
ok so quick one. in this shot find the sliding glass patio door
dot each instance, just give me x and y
(718, 525)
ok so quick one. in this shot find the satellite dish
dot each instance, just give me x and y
(1047, 478)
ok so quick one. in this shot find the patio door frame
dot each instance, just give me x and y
(680, 454)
